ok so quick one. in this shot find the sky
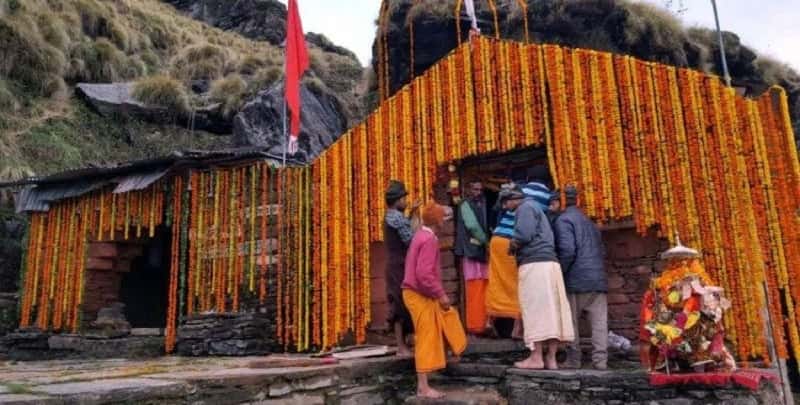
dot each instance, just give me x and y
(769, 26)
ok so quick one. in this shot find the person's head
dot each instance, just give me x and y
(396, 195)
(571, 195)
(433, 216)
(474, 189)
(555, 202)
(512, 199)
(538, 174)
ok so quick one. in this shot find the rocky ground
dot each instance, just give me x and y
(484, 376)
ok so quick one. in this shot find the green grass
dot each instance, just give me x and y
(230, 92)
(18, 389)
(83, 137)
(162, 91)
(47, 46)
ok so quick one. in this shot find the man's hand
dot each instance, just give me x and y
(444, 302)
(416, 205)
(512, 247)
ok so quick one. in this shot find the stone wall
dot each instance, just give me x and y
(227, 335)
(622, 387)
(630, 262)
(32, 345)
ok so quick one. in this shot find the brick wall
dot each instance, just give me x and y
(631, 260)
(106, 264)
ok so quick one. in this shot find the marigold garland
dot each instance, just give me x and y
(672, 149)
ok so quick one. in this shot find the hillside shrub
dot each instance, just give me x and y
(229, 91)
(200, 62)
(162, 91)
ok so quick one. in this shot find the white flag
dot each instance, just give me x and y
(470, 7)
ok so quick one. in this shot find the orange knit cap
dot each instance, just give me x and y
(432, 214)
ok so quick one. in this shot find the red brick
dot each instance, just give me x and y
(129, 251)
(618, 299)
(94, 263)
(122, 266)
(451, 287)
(447, 259)
(643, 269)
(620, 311)
(102, 249)
(378, 287)
(449, 274)
(446, 242)
(615, 282)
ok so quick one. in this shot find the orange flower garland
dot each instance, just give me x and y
(673, 149)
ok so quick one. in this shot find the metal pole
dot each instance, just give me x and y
(721, 45)
(283, 121)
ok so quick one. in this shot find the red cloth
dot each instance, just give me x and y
(745, 378)
(296, 64)
(423, 275)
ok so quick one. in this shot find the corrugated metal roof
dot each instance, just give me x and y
(138, 181)
(38, 193)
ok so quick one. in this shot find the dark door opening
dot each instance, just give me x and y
(494, 171)
(144, 289)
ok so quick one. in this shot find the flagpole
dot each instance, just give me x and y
(721, 45)
(283, 121)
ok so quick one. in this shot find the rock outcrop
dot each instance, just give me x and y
(642, 30)
(116, 100)
(260, 122)
(263, 20)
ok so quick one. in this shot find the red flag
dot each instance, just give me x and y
(296, 65)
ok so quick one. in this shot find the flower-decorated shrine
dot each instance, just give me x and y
(673, 150)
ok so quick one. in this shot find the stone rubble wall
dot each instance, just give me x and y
(227, 335)
(622, 387)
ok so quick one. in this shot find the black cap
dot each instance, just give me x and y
(395, 191)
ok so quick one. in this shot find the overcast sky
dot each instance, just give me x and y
(770, 26)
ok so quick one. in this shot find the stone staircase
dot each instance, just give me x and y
(460, 395)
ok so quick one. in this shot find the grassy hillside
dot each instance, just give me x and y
(46, 46)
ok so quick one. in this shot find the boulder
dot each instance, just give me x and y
(263, 20)
(260, 122)
(116, 100)
(610, 26)
(111, 322)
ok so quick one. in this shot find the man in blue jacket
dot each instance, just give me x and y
(581, 253)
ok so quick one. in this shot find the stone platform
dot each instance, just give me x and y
(478, 379)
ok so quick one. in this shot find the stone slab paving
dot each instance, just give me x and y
(26, 399)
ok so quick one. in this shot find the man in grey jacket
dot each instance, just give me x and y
(581, 253)
(546, 317)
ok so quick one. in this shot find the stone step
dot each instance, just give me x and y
(455, 395)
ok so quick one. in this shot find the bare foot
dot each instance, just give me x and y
(529, 364)
(454, 359)
(404, 352)
(551, 365)
(430, 393)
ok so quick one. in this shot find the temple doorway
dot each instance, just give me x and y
(144, 289)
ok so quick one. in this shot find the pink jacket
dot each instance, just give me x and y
(422, 265)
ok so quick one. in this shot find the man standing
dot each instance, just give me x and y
(546, 317)
(435, 321)
(536, 188)
(554, 209)
(581, 253)
(470, 245)
(397, 232)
